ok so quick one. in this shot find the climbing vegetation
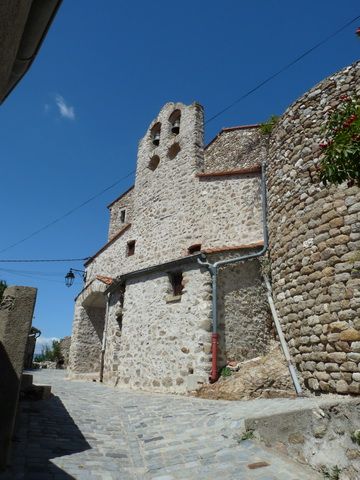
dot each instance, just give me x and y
(340, 158)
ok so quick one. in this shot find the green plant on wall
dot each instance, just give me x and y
(226, 372)
(331, 473)
(340, 158)
(267, 127)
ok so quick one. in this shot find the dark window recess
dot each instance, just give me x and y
(130, 248)
(119, 316)
(173, 151)
(154, 162)
(119, 320)
(122, 294)
(196, 248)
(122, 216)
(176, 280)
(174, 120)
(155, 134)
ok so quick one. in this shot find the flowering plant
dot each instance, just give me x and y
(340, 160)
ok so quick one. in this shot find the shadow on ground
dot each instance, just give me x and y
(45, 431)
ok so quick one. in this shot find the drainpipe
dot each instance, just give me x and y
(103, 344)
(213, 269)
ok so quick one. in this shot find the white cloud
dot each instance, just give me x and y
(66, 111)
(41, 342)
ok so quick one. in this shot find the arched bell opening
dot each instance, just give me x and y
(174, 120)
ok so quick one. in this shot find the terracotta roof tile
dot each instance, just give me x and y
(243, 246)
(240, 171)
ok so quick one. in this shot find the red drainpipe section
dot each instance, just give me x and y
(214, 348)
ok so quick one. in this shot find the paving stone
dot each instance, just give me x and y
(90, 431)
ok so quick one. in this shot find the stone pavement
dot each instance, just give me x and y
(92, 431)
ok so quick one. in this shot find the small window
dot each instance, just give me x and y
(176, 280)
(155, 134)
(196, 248)
(119, 320)
(130, 248)
(154, 162)
(122, 216)
(173, 150)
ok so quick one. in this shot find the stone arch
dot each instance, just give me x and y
(155, 132)
(174, 120)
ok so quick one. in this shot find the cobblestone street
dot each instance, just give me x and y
(92, 431)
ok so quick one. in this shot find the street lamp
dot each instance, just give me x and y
(70, 276)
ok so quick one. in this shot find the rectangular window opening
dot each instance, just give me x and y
(130, 248)
(122, 216)
(176, 280)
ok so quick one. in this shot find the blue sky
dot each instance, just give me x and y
(72, 125)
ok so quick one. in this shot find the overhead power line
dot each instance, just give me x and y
(286, 67)
(228, 107)
(69, 212)
(48, 260)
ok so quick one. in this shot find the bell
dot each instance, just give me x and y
(176, 127)
(156, 139)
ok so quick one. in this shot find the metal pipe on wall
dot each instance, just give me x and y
(283, 343)
(103, 343)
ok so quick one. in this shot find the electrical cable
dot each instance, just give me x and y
(293, 62)
(69, 212)
(245, 95)
(33, 276)
(46, 260)
(32, 272)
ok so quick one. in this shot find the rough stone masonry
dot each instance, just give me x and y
(144, 316)
(153, 329)
(16, 312)
(315, 243)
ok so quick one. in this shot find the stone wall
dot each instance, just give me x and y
(65, 349)
(244, 319)
(123, 203)
(315, 244)
(235, 148)
(158, 344)
(163, 343)
(172, 208)
(231, 210)
(16, 313)
(87, 335)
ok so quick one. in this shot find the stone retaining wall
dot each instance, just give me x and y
(244, 319)
(315, 244)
